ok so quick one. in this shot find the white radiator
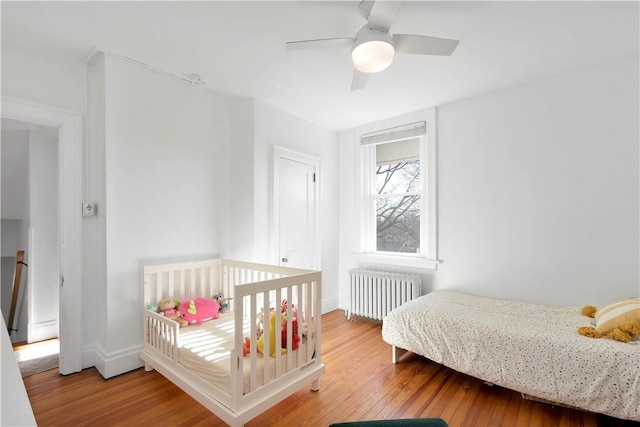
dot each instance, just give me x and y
(375, 293)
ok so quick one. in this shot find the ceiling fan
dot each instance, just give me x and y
(373, 47)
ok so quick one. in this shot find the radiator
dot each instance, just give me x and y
(375, 293)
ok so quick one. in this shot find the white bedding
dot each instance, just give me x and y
(205, 350)
(530, 348)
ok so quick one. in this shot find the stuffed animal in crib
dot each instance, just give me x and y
(246, 346)
(294, 312)
(272, 338)
(167, 308)
(285, 304)
(295, 338)
(224, 302)
(619, 321)
(198, 310)
(259, 323)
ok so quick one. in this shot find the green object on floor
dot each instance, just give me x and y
(409, 422)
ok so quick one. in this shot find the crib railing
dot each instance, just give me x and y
(161, 334)
(257, 292)
(301, 293)
(181, 280)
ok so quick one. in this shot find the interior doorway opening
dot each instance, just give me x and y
(29, 216)
(29, 178)
(68, 196)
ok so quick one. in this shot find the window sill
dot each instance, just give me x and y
(420, 262)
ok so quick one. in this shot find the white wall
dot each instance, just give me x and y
(43, 77)
(161, 151)
(348, 217)
(94, 228)
(538, 190)
(15, 174)
(238, 237)
(329, 223)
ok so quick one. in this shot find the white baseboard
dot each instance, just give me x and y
(42, 331)
(112, 364)
(329, 305)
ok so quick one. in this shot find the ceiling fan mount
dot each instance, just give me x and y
(373, 47)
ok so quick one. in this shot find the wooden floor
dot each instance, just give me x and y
(360, 383)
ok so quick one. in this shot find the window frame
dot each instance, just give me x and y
(366, 218)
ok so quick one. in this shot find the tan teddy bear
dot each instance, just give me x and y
(168, 308)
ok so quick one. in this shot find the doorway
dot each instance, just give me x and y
(30, 226)
(296, 209)
(69, 220)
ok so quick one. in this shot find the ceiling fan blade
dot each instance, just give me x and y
(424, 45)
(382, 14)
(365, 8)
(320, 43)
(359, 80)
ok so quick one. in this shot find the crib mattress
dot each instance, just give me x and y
(534, 349)
(205, 350)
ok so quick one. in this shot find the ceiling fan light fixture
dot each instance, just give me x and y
(372, 50)
(372, 56)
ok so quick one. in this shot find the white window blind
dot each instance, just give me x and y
(398, 133)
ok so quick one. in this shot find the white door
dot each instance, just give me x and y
(296, 212)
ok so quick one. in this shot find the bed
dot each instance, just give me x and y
(208, 360)
(530, 348)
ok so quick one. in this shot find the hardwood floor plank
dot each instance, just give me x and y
(480, 408)
(360, 383)
(466, 394)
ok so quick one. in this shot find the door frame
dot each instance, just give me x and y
(280, 153)
(69, 220)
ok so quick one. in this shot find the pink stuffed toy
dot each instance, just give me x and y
(198, 310)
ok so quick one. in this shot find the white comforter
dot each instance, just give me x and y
(530, 348)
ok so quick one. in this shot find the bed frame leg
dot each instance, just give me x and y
(315, 385)
(396, 354)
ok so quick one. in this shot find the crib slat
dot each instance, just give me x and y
(253, 351)
(266, 340)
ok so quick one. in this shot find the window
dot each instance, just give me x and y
(398, 196)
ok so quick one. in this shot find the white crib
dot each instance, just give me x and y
(234, 387)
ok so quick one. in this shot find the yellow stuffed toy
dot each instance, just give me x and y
(272, 338)
(619, 321)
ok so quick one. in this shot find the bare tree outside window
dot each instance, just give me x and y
(398, 205)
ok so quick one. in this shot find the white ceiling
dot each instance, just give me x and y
(239, 47)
